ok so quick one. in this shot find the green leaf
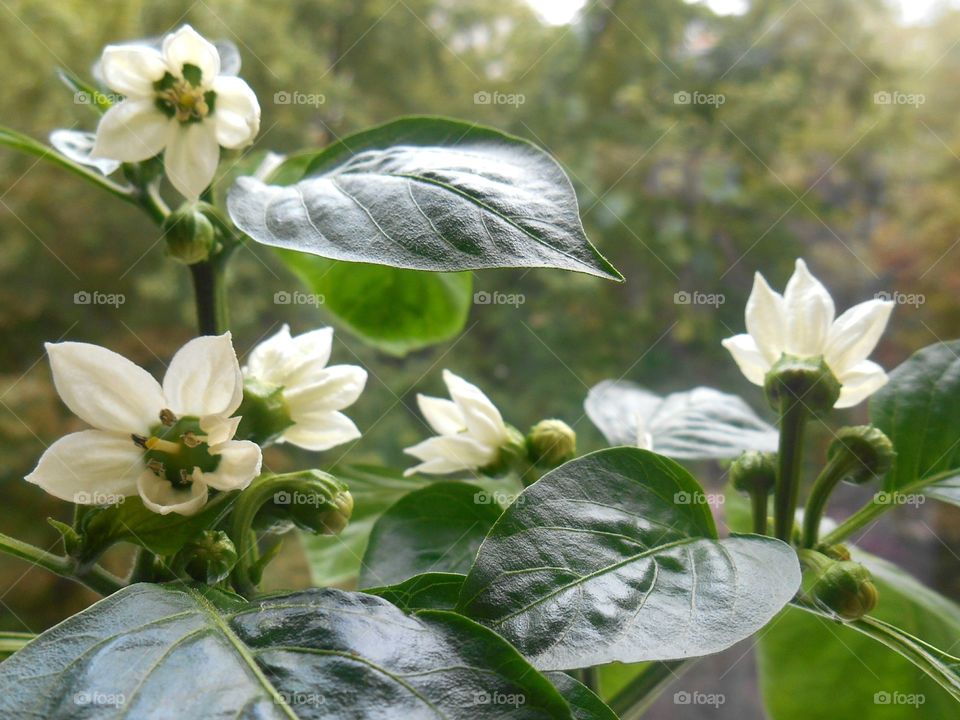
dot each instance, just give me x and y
(815, 667)
(396, 311)
(918, 410)
(615, 557)
(84, 93)
(425, 194)
(438, 528)
(946, 490)
(312, 654)
(584, 702)
(430, 591)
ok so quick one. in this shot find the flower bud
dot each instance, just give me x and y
(207, 558)
(551, 443)
(870, 452)
(754, 471)
(805, 380)
(843, 587)
(512, 457)
(311, 500)
(264, 413)
(190, 234)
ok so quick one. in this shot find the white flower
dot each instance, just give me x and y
(801, 323)
(169, 444)
(312, 391)
(177, 101)
(470, 430)
(698, 424)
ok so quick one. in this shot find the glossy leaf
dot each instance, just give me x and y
(77, 146)
(430, 591)
(583, 701)
(396, 311)
(425, 194)
(918, 410)
(436, 529)
(312, 654)
(615, 557)
(811, 666)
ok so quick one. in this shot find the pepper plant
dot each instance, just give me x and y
(533, 582)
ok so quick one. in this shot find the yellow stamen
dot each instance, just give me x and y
(164, 446)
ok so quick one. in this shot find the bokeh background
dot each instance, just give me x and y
(705, 141)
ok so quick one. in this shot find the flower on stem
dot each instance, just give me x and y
(175, 101)
(310, 393)
(168, 443)
(470, 430)
(801, 323)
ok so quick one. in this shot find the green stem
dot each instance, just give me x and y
(143, 567)
(758, 504)
(10, 642)
(210, 292)
(793, 422)
(589, 677)
(837, 468)
(94, 577)
(634, 699)
(260, 491)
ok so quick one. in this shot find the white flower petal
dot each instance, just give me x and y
(105, 389)
(808, 313)
(161, 497)
(481, 416)
(334, 388)
(188, 47)
(320, 431)
(765, 319)
(236, 112)
(855, 334)
(191, 158)
(442, 415)
(309, 355)
(132, 131)
(204, 378)
(859, 383)
(445, 454)
(89, 466)
(748, 357)
(132, 69)
(268, 360)
(218, 428)
(240, 462)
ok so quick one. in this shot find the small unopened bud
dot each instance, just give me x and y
(870, 452)
(264, 413)
(551, 443)
(843, 587)
(310, 500)
(190, 235)
(754, 471)
(804, 380)
(207, 558)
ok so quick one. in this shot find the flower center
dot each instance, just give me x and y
(176, 448)
(184, 98)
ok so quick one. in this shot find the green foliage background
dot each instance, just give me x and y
(800, 159)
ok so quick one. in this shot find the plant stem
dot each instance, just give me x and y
(588, 676)
(210, 293)
(826, 482)
(94, 577)
(793, 422)
(634, 699)
(10, 642)
(143, 566)
(758, 504)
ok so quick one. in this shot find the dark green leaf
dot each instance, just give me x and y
(435, 529)
(585, 704)
(815, 667)
(149, 651)
(918, 410)
(425, 194)
(430, 591)
(615, 557)
(394, 310)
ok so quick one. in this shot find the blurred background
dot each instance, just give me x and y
(704, 140)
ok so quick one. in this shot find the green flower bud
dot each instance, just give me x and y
(311, 500)
(805, 380)
(551, 443)
(264, 413)
(870, 452)
(207, 558)
(754, 471)
(843, 587)
(190, 234)
(837, 552)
